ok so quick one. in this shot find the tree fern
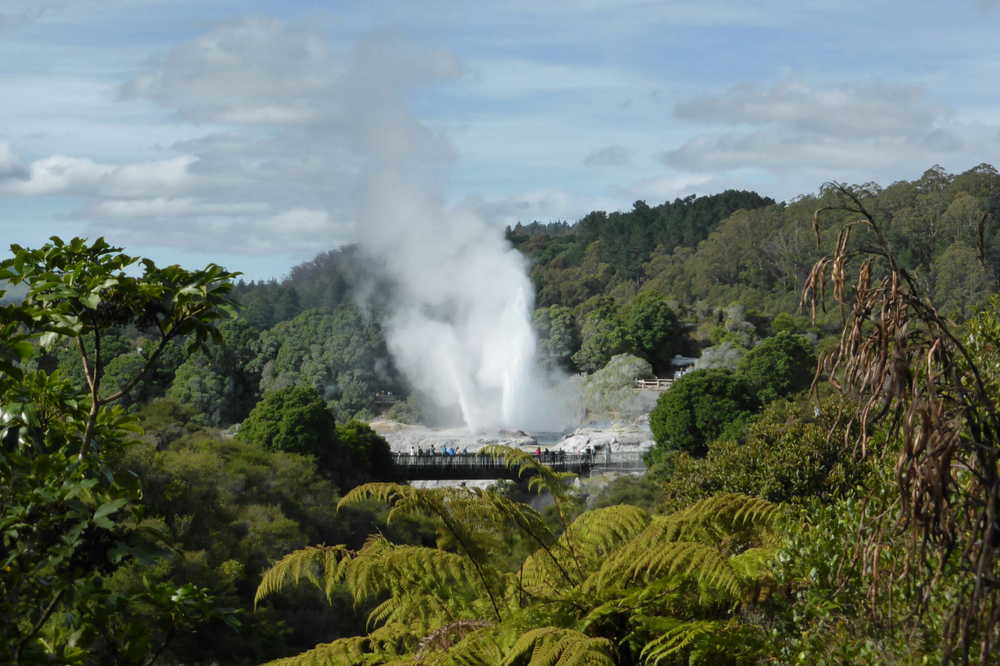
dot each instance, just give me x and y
(668, 589)
(341, 652)
(677, 641)
(552, 646)
(323, 566)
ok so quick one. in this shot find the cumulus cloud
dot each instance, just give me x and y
(793, 127)
(259, 73)
(667, 188)
(11, 168)
(613, 155)
(542, 205)
(292, 130)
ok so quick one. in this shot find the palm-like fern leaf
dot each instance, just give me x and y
(323, 566)
(341, 652)
(699, 642)
(552, 646)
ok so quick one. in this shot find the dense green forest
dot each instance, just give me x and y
(189, 477)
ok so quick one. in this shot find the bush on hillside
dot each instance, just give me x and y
(699, 407)
(779, 366)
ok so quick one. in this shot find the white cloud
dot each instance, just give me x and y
(542, 205)
(613, 155)
(11, 168)
(846, 111)
(667, 188)
(291, 130)
(868, 133)
(60, 174)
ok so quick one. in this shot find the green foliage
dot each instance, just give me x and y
(699, 407)
(602, 336)
(66, 516)
(611, 390)
(341, 354)
(779, 367)
(652, 329)
(296, 420)
(618, 586)
(293, 419)
(787, 457)
(409, 411)
(362, 455)
(558, 338)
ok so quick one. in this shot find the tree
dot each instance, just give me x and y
(342, 354)
(602, 336)
(558, 338)
(960, 282)
(652, 330)
(222, 389)
(700, 406)
(294, 419)
(66, 516)
(779, 366)
(367, 453)
(206, 392)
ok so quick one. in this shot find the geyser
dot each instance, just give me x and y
(459, 326)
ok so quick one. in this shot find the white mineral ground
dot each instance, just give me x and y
(619, 436)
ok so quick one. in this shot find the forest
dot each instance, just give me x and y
(188, 474)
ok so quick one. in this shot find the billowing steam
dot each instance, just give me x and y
(460, 323)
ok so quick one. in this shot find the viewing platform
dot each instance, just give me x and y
(470, 466)
(658, 384)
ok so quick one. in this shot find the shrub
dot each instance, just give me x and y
(610, 390)
(779, 366)
(699, 407)
(787, 457)
(294, 419)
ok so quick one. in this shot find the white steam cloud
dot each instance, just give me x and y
(460, 328)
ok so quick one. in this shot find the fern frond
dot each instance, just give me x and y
(752, 564)
(700, 642)
(552, 646)
(397, 496)
(341, 652)
(539, 475)
(722, 516)
(599, 532)
(323, 566)
(692, 561)
(676, 637)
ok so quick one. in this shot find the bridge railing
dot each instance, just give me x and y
(658, 384)
(472, 466)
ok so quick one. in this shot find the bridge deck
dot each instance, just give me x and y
(437, 467)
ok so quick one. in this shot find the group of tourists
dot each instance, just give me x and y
(554, 456)
(419, 452)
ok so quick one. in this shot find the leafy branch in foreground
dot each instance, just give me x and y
(81, 290)
(67, 518)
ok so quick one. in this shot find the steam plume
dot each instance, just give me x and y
(460, 327)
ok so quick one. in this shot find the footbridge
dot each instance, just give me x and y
(470, 466)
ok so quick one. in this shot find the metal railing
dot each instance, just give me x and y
(659, 384)
(471, 466)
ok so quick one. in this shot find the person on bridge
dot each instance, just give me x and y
(420, 452)
(444, 450)
(538, 451)
(451, 451)
(413, 451)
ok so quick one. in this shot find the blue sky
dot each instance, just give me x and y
(248, 133)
